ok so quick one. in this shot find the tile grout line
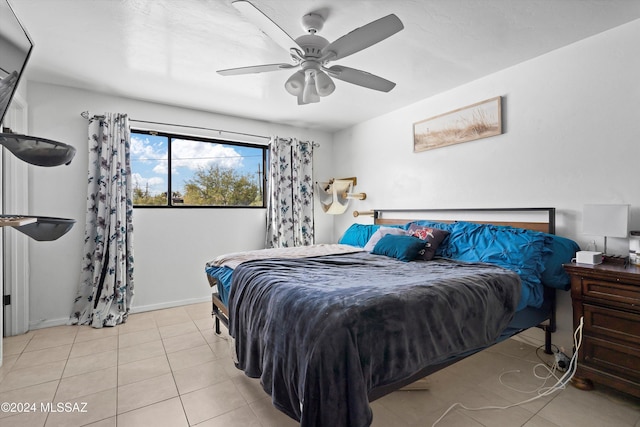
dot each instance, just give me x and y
(184, 411)
(115, 415)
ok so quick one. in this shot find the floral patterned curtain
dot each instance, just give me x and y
(106, 281)
(290, 201)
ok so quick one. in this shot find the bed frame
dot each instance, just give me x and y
(219, 311)
(545, 222)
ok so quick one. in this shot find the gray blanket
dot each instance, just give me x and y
(322, 332)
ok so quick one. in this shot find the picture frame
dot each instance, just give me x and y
(476, 121)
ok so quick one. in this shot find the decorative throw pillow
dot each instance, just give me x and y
(358, 234)
(380, 233)
(403, 247)
(433, 237)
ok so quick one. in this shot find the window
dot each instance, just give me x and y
(186, 171)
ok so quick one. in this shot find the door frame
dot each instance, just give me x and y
(15, 251)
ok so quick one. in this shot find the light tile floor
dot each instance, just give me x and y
(168, 368)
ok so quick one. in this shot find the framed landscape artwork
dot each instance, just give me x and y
(480, 120)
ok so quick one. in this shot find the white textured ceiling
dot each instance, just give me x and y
(167, 51)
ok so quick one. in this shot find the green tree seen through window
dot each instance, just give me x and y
(219, 186)
(143, 197)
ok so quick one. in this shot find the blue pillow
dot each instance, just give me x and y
(382, 231)
(561, 250)
(516, 249)
(358, 235)
(403, 247)
(549, 271)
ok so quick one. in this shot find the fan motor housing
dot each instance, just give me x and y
(312, 44)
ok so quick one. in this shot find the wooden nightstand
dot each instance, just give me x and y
(608, 296)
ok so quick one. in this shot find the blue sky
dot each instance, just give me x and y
(149, 160)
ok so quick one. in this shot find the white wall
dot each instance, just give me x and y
(571, 136)
(171, 246)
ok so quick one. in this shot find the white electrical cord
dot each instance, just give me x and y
(551, 373)
(541, 391)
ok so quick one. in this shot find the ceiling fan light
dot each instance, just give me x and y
(310, 93)
(324, 84)
(295, 84)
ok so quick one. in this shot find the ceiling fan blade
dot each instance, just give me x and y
(264, 23)
(363, 37)
(255, 69)
(360, 78)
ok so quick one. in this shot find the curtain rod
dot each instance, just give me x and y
(88, 116)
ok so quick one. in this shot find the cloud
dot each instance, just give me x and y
(195, 155)
(145, 151)
(161, 167)
(185, 153)
(149, 155)
(155, 184)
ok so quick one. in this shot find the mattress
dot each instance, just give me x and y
(220, 269)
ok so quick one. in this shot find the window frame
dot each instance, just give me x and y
(171, 136)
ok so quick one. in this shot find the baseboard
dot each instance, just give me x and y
(169, 304)
(49, 323)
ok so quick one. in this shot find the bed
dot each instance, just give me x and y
(330, 328)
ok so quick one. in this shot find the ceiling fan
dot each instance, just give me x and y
(311, 53)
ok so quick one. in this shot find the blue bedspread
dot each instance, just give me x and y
(321, 333)
(222, 277)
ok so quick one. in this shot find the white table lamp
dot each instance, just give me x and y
(606, 221)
